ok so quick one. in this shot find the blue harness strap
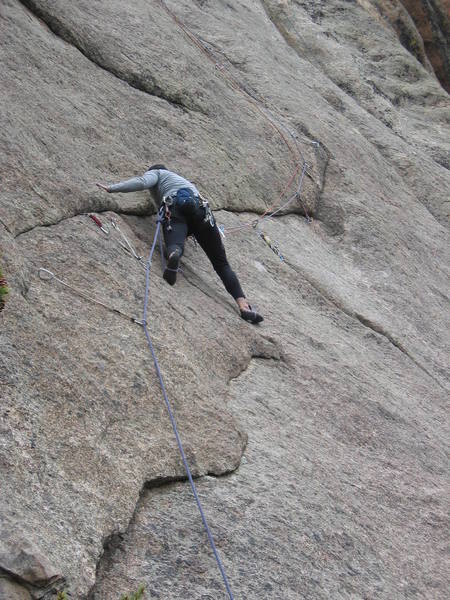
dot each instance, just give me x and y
(171, 415)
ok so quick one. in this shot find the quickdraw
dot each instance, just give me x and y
(272, 245)
(125, 244)
(99, 223)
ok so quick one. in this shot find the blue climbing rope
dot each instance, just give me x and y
(171, 415)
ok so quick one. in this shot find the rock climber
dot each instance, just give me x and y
(184, 212)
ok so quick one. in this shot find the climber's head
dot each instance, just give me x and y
(157, 167)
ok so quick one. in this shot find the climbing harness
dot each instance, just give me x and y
(188, 204)
(47, 275)
(209, 217)
(165, 214)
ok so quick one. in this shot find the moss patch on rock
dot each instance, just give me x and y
(3, 290)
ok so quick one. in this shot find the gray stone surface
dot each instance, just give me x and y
(314, 511)
(12, 591)
(338, 402)
(21, 557)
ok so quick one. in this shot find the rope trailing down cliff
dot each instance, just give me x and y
(47, 275)
(171, 415)
(300, 170)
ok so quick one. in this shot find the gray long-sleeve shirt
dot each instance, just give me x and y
(161, 182)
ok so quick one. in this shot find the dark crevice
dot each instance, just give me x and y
(134, 80)
(116, 210)
(6, 227)
(46, 224)
(433, 27)
(40, 589)
(113, 542)
(380, 330)
(6, 574)
(335, 226)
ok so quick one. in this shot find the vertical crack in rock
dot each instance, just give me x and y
(147, 85)
(262, 348)
(380, 330)
(113, 542)
(431, 19)
(3, 224)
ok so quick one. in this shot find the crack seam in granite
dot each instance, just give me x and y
(36, 588)
(6, 227)
(63, 32)
(113, 540)
(378, 329)
(56, 222)
(136, 213)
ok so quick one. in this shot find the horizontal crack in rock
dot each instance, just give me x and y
(55, 222)
(41, 588)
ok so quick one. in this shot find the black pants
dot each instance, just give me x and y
(209, 239)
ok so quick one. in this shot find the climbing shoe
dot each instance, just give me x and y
(251, 316)
(171, 270)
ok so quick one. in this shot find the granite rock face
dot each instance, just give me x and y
(320, 437)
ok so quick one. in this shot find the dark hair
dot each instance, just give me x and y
(155, 167)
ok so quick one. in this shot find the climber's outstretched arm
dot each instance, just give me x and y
(145, 181)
